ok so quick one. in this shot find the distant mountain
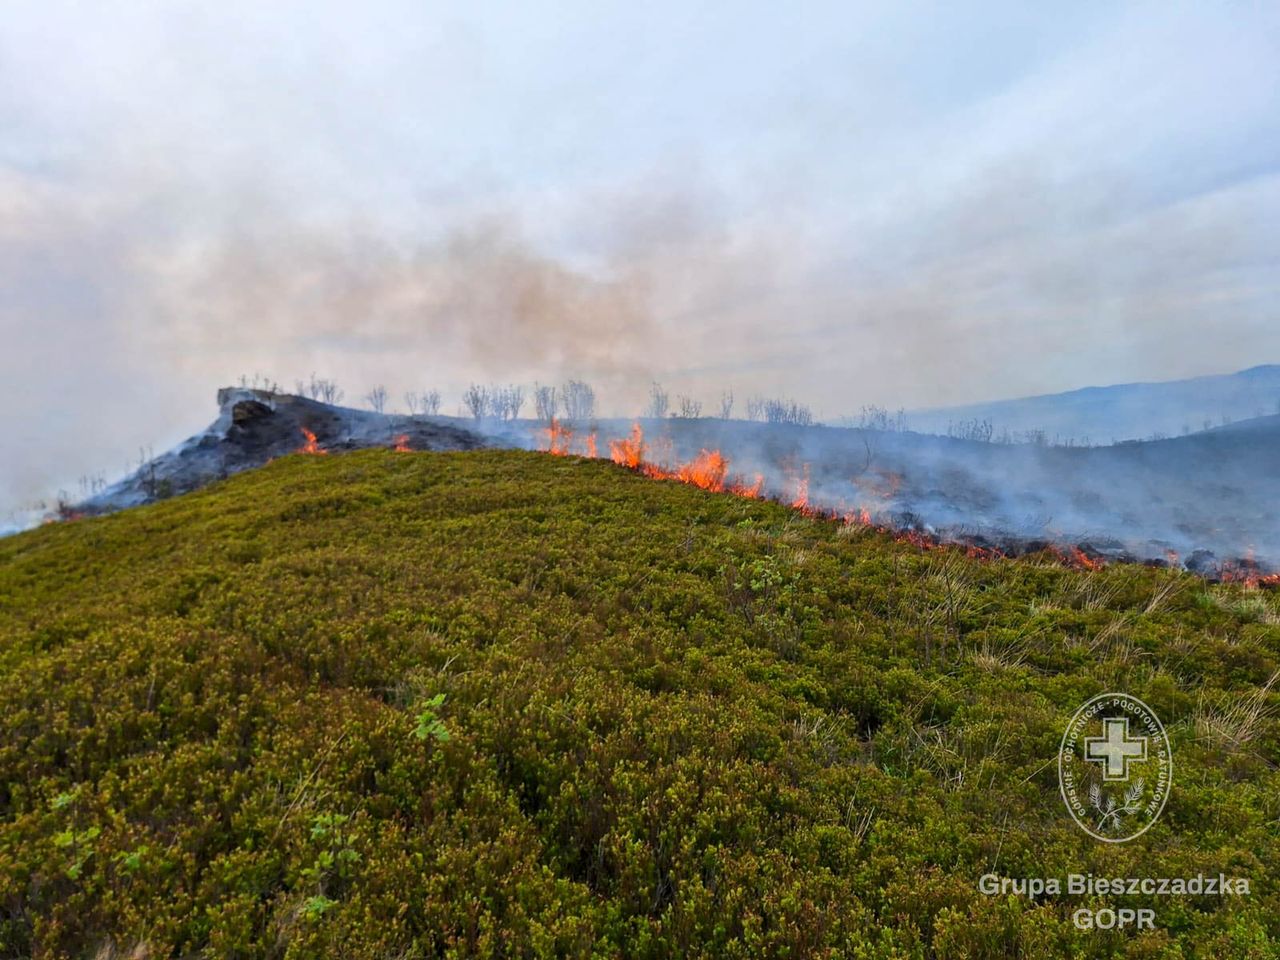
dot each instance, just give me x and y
(1129, 411)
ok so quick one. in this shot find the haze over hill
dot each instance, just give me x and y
(1129, 411)
(906, 204)
(1204, 500)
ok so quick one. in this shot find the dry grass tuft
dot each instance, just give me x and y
(1234, 727)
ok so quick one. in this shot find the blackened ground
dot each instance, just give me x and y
(254, 427)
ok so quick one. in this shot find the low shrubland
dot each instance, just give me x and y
(505, 704)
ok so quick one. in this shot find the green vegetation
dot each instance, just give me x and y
(506, 704)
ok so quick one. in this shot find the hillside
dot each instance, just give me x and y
(497, 703)
(1204, 501)
(1126, 411)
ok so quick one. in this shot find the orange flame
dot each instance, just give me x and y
(629, 452)
(860, 517)
(1084, 561)
(982, 553)
(1077, 559)
(591, 445)
(558, 438)
(707, 470)
(917, 539)
(1247, 573)
(801, 500)
(402, 443)
(311, 446)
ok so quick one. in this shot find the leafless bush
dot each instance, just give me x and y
(787, 411)
(426, 403)
(497, 402)
(1037, 438)
(579, 400)
(505, 402)
(377, 399)
(63, 508)
(91, 484)
(659, 401)
(687, 408)
(873, 417)
(755, 408)
(980, 430)
(546, 402)
(318, 388)
(476, 400)
(726, 405)
(259, 382)
(147, 471)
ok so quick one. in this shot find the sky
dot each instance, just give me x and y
(907, 204)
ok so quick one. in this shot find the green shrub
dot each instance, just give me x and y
(504, 704)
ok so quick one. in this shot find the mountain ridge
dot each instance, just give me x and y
(1205, 500)
(1124, 411)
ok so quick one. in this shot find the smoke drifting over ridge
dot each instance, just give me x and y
(123, 329)
(481, 298)
(422, 200)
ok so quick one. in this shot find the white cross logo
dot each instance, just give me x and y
(1114, 749)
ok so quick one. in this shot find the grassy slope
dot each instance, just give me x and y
(678, 724)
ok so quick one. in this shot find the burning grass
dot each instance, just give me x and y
(709, 470)
(502, 703)
(311, 446)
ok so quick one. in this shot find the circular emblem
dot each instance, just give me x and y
(1115, 767)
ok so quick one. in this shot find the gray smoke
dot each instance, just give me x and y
(393, 195)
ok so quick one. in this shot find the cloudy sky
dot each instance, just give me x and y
(898, 203)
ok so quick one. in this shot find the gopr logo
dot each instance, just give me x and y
(1115, 767)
